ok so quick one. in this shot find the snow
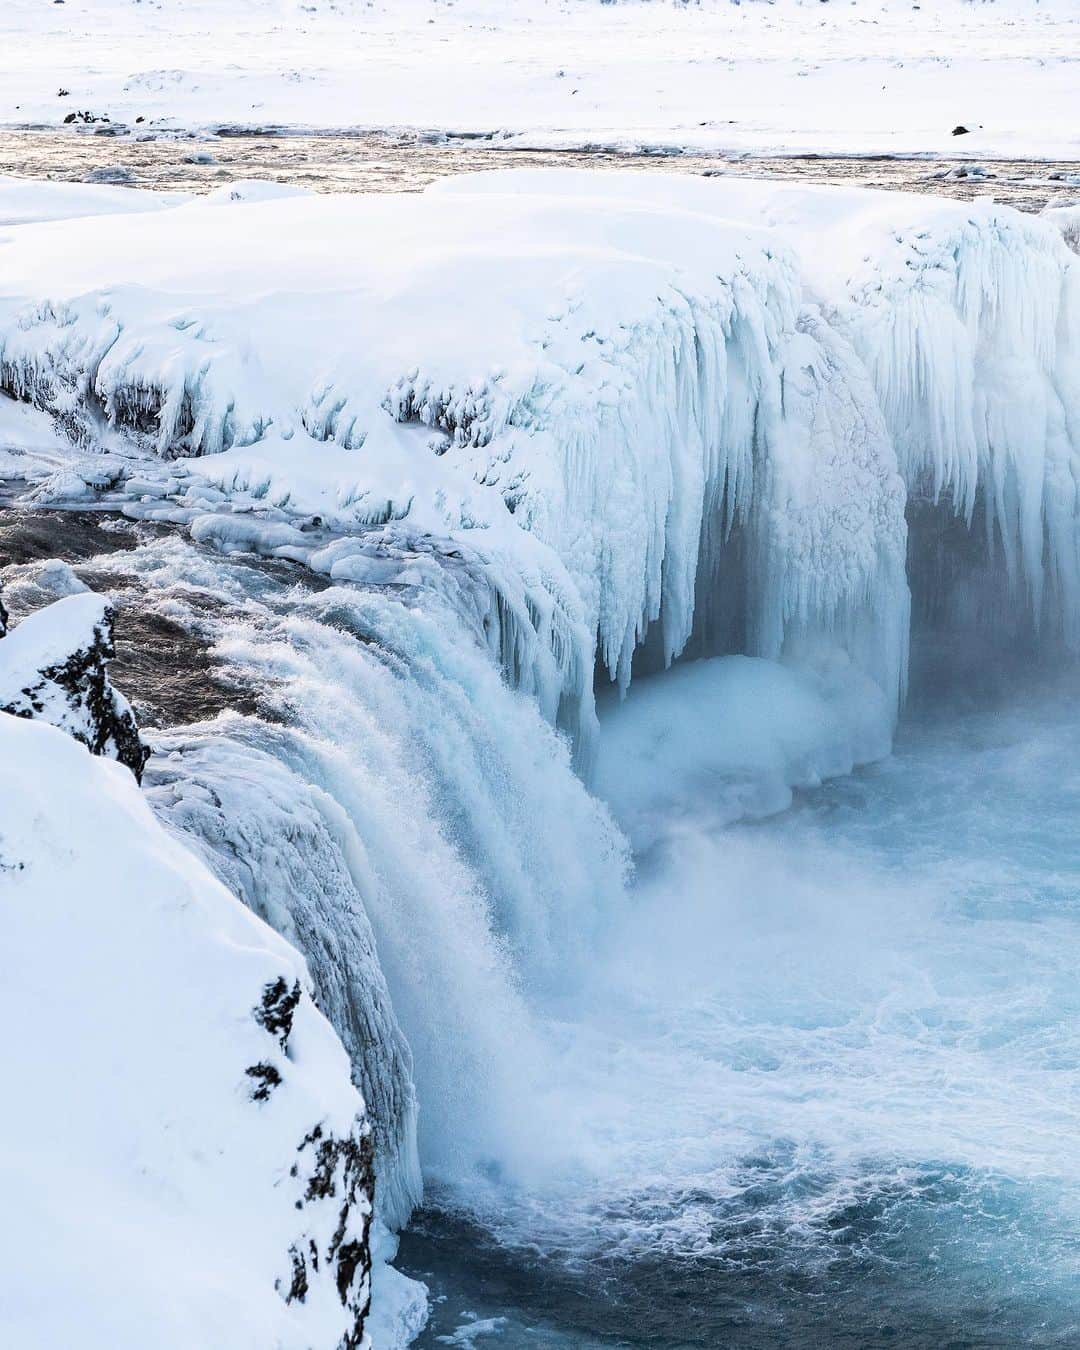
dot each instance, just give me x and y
(137, 1158)
(25, 201)
(586, 396)
(873, 76)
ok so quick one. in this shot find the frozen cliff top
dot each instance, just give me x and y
(608, 374)
(872, 76)
(183, 1134)
(606, 397)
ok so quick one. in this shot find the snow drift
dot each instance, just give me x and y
(214, 1181)
(616, 409)
(641, 415)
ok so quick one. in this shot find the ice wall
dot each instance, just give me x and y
(965, 317)
(405, 817)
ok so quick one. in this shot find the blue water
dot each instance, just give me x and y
(822, 1088)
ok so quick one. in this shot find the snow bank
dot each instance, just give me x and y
(183, 1141)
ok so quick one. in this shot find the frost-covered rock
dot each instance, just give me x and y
(213, 1186)
(53, 668)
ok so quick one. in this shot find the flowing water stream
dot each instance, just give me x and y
(809, 1082)
(377, 162)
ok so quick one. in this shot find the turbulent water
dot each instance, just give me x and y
(813, 1082)
(823, 1088)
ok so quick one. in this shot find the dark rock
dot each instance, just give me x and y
(277, 1008)
(266, 1079)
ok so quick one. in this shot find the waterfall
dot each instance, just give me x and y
(413, 824)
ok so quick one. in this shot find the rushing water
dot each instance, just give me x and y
(808, 1083)
(379, 162)
(826, 1081)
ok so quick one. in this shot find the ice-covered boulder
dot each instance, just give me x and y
(53, 668)
(185, 1159)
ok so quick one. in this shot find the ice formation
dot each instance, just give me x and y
(605, 404)
(966, 317)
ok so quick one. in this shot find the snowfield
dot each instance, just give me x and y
(872, 76)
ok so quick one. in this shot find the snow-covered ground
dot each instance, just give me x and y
(871, 76)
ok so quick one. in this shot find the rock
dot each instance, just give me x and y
(53, 668)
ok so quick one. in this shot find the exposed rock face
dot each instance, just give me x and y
(336, 1176)
(53, 667)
